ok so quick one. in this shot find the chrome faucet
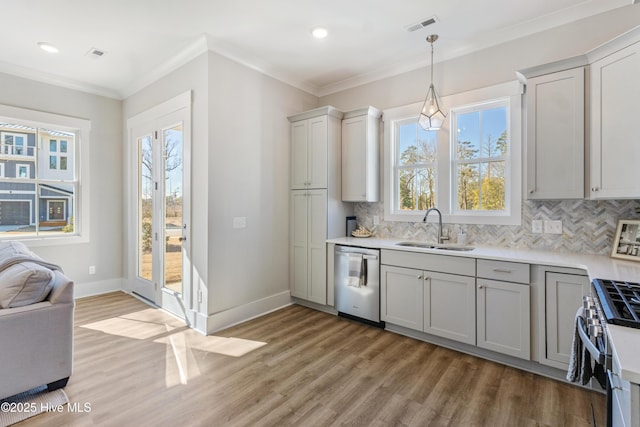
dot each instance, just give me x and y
(439, 231)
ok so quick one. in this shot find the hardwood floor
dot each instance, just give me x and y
(137, 366)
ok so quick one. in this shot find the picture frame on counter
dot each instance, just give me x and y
(626, 244)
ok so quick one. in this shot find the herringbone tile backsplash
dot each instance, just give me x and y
(588, 226)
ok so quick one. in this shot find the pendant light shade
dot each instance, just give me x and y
(431, 116)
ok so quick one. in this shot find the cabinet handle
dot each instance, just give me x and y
(531, 191)
(502, 270)
(594, 189)
(480, 286)
(419, 277)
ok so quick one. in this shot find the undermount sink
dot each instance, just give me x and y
(443, 246)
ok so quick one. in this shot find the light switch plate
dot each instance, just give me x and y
(239, 222)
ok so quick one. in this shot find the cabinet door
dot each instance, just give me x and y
(555, 135)
(401, 296)
(298, 274)
(504, 322)
(615, 90)
(317, 229)
(450, 306)
(563, 296)
(354, 159)
(318, 146)
(299, 154)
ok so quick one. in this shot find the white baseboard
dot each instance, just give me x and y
(235, 315)
(88, 289)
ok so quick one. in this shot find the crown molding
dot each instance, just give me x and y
(52, 79)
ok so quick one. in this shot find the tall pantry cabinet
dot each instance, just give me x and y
(317, 212)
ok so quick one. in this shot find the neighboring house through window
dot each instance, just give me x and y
(39, 180)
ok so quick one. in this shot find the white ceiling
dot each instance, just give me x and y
(368, 40)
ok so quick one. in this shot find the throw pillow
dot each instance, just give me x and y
(24, 284)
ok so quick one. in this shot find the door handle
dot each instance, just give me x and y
(182, 239)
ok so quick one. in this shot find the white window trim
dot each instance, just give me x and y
(21, 165)
(2, 170)
(82, 129)
(513, 90)
(13, 146)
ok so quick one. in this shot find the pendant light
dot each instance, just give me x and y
(431, 115)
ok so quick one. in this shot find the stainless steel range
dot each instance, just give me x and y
(620, 302)
(613, 303)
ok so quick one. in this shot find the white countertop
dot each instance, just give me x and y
(625, 341)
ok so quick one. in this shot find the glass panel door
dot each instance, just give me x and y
(173, 225)
(160, 207)
(145, 206)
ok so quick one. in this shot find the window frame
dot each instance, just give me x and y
(82, 129)
(445, 193)
(23, 165)
(455, 162)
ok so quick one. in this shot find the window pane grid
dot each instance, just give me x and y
(39, 188)
(480, 155)
(415, 167)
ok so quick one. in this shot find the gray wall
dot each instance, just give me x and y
(105, 180)
(248, 177)
(240, 168)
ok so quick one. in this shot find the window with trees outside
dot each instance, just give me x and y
(40, 184)
(416, 166)
(480, 157)
(469, 169)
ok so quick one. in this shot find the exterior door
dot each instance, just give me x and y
(162, 211)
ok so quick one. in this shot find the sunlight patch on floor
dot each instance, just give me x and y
(140, 325)
(181, 342)
(234, 347)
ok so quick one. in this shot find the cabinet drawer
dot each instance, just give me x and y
(504, 271)
(431, 262)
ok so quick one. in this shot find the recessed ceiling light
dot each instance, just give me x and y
(319, 32)
(48, 47)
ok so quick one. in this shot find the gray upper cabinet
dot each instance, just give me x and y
(314, 136)
(615, 148)
(360, 155)
(556, 135)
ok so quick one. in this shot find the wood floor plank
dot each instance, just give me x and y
(135, 365)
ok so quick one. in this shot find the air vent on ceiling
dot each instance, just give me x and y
(423, 23)
(95, 53)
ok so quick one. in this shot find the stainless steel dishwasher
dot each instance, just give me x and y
(357, 283)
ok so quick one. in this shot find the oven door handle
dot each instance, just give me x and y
(597, 355)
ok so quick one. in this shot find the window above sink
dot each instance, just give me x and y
(472, 175)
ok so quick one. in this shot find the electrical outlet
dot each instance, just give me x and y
(92, 269)
(553, 227)
(536, 226)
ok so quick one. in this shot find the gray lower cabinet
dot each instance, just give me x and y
(449, 306)
(563, 296)
(490, 311)
(401, 301)
(437, 303)
(504, 317)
